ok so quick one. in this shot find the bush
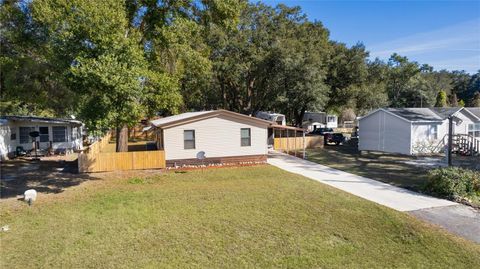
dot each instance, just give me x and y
(454, 182)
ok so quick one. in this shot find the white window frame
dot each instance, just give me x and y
(185, 146)
(432, 135)
(249, 144)
(473, 129)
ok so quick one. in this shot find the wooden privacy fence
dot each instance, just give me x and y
(296, 143)
(97, 147)
(103, 162)
(94, 160)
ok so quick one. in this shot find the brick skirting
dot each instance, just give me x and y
(219, 160)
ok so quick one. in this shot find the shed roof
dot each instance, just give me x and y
(200, 115)
(416, 114)
(41, 119)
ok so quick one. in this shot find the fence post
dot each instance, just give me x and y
(288, 146)
(295, 142)
(304, 146)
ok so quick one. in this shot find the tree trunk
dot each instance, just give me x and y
(299, 119)
(122, 139)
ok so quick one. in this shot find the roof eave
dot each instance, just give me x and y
(211, 114)
(471, 113)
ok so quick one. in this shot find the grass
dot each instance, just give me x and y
(258, 217)
(388, 168)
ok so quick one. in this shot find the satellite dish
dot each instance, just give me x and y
(34, 134)
(201, 155)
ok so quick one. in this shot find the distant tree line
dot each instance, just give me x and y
(112, 62)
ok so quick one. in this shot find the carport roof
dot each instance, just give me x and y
(41, 119)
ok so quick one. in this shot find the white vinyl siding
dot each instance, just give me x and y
(384, 132)
(218, 137)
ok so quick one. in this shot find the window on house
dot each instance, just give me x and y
(25, 134)
(59, 133)
(474, 129)
(432, 132)
(13, 135)
(331, 119)
(246, 139)
(43, 134)
(189, 139)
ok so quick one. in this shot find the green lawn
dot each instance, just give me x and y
(249, 217)
(388, 168)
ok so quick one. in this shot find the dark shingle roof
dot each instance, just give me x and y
(416, 114)
(474, 110)
(428, 114)
(445, 112)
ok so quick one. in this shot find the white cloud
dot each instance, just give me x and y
(453, 47)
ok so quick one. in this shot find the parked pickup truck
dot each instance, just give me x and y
(336, 138)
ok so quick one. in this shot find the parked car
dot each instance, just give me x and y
(321, 131)
(337, 138)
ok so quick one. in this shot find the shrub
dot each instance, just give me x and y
(454, 182)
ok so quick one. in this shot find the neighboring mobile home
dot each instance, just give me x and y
(224, 137)
(55, 134)
(414, 130)
(315, 120)
(274, 118)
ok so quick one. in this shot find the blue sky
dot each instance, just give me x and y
(443, 34)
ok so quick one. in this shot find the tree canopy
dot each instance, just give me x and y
(112, 62)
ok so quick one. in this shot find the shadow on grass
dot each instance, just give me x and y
(48, 176)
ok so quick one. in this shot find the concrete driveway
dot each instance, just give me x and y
(459, 219)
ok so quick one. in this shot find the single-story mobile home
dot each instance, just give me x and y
(415, 130)
(217, 136)
(54, 134)
(315, 120)
(275, 118)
